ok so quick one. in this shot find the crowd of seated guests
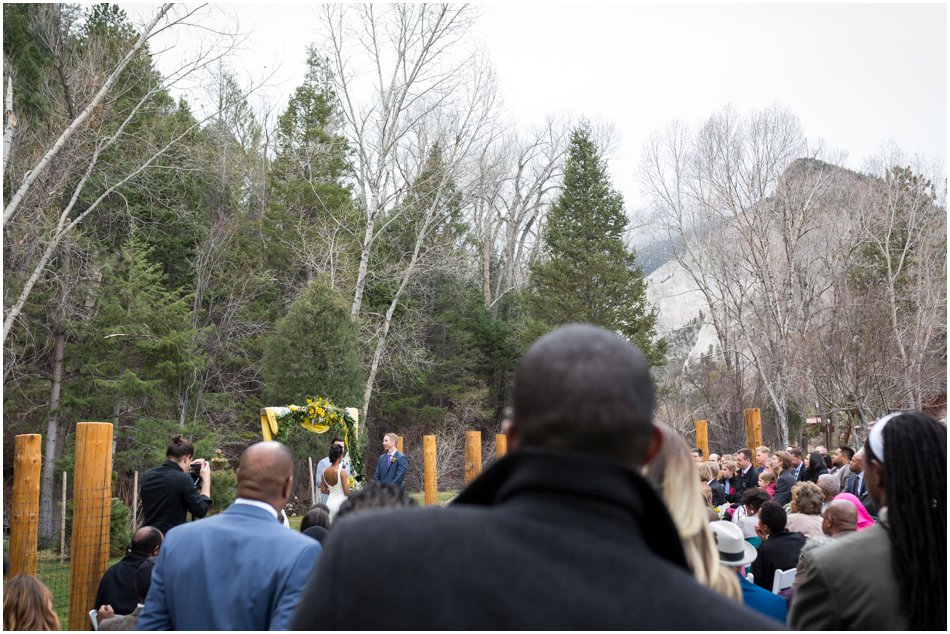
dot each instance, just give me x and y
(738, 558)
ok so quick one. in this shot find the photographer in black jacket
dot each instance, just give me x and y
(168, 491)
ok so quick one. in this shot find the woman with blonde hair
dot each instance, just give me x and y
(705, 475)
(28, 606)
(674, 475)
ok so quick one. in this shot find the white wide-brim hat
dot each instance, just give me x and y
(733, 549)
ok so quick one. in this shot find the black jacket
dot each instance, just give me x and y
(541, 540)
(779, 552)
(783, 487)
(718, 493)
(745, 482)
(167, 494)
(117, 587)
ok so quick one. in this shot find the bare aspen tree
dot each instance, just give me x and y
(516, 176)
(406, 89)
(903, 232)
(743, 196)
(84, 166)
(94, 141)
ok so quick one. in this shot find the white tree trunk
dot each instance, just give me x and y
(79, 121)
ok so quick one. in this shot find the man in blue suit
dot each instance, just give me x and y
(392, 465)
(240, 570)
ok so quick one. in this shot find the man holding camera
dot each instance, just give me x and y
(170, 490)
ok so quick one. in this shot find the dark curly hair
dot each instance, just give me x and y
(754, 498)
(379, 496)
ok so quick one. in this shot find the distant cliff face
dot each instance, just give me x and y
(683, 314)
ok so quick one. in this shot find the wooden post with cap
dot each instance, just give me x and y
(753, 427)
(702, 437)
(25, 505)
(501, 445)
(92, 505)
(430, 484)
(473, 455)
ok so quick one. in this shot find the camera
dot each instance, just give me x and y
(195, 472)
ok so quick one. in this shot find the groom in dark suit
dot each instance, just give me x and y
(392, 465)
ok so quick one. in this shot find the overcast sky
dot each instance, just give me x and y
(857, 75)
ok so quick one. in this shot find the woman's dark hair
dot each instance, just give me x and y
(179, 448)
(754, 498)
(335, 452)
(816, 467)
(915, 483)
(316, 516)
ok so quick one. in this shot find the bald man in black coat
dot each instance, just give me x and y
(561, 533)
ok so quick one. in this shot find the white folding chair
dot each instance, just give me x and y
(783, 579)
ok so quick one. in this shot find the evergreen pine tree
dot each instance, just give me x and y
(586, 273)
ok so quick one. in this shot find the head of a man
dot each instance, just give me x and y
(763, 455)
(839, 517)
(582, 388)
(797, 456)
(382, 495)
(842, 456)
(147, 541)
(338, 441)
(266, 473)
(857, 462)
(714, 457)
(697, 454)
(821, 449)
(744, 459)
(390, 442)
(772, 518)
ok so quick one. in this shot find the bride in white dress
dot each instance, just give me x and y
(335, 481)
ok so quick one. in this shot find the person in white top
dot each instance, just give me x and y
(334, 481)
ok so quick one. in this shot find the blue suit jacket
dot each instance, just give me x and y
(240, 570)
(389, 471)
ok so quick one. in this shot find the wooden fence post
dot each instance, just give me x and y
(399, 444)
(753, 427)
(62, 524)
(25, 505)
(501, 445)
(702, 437)
(92, 505)
(473, 455)
(430, 484)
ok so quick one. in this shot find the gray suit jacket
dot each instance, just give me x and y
(849, 584)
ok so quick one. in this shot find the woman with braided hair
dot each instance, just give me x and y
(892, 575)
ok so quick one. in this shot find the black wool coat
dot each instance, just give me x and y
(541, 540)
